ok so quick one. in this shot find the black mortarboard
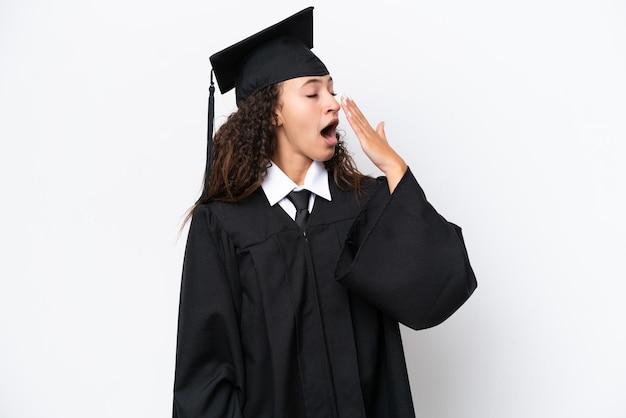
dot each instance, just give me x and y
(277, 53)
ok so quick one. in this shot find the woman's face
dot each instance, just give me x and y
(307, 120)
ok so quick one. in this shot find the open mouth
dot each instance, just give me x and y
(330, 132)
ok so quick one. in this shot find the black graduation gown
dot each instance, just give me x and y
(273, 324)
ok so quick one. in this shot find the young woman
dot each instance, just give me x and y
(291, 309)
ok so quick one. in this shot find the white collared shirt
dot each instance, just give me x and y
(277, 185)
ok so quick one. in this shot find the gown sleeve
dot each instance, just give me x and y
(208, 378)
(405, 259)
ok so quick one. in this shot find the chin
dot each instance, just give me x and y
(325, 157)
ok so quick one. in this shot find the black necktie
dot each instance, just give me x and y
(300, 200)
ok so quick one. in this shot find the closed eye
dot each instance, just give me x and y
(315, 95)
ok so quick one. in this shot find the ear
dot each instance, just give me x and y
(278, 120)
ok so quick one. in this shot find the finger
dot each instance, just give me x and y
(360, 124)
(354, 122)
(355, 112)
(357, 120)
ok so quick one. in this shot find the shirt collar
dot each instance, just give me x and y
(277, 184)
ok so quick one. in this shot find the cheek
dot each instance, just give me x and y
(300, 120)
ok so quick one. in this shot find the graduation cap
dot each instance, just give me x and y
(278, 53)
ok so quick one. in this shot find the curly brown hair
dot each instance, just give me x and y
(244, 145)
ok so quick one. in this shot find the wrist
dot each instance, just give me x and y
(395, 169)
(394, 173)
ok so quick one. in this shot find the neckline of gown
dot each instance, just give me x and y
(253, 220)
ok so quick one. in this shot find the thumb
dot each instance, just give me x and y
(380, 130)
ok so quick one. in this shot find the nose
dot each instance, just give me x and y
(333, 105)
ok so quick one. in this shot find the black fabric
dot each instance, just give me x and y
(300, 200)
(273, 324)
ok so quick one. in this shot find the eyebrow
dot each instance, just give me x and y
(317, 81)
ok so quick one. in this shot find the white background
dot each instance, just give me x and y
(511, 115)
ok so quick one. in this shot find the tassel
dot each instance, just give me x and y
(209, 139)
